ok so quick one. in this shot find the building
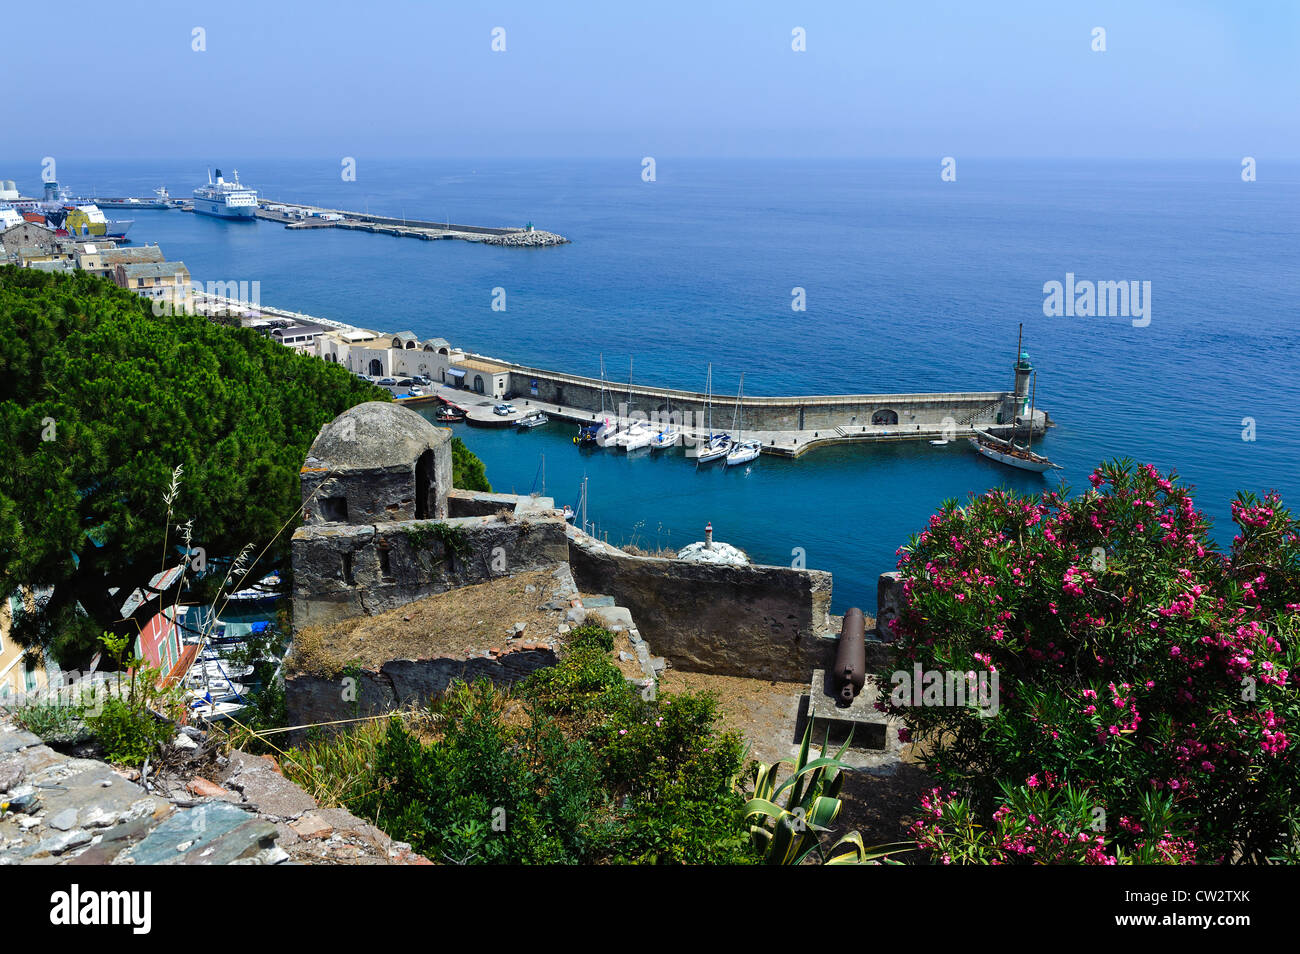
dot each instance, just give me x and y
(300, 336)
(478, 375)
(382, 356)
(101, 259)
(153, 279)
(29, 242)
(20, 671)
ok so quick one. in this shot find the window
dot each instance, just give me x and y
(334, 509)
(347, 569)
(385, 569)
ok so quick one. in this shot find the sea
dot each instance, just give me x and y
(909, 282)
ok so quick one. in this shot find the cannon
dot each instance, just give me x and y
(851, 658)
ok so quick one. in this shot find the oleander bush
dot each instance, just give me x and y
(1140, 671)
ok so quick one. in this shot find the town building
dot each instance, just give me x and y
(154, 279)
(101, 259)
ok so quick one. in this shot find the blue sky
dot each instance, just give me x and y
(1004, 78)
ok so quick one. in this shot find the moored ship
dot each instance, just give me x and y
(225, 200)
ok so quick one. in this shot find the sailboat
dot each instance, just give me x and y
(1009, 452)
(741, 452)
(607, 426)
(717, 445)
(665, 438)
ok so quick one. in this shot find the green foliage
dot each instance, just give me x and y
(572, 766)
(54, 721)
(467, 471)
(128, 733)
(1128, 659)
(100, 401)
(453, 540)
(786, 834)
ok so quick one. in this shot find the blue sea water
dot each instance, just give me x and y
(912, 284)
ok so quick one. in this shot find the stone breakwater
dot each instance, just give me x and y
(534, 239)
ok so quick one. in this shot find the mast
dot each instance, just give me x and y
(708, 398)
(1015, 365)
(738, 416)
(1033, 399)
(602, 384)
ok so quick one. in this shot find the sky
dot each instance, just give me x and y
(992, 78)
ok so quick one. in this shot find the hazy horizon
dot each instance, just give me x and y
(402, 80)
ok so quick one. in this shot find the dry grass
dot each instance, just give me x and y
(474, 618)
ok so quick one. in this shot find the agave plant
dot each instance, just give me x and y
(787, 834)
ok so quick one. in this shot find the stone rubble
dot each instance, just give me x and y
(61, 809)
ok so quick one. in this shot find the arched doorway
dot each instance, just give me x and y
(884, 416)
(376, 368)
(478, 383)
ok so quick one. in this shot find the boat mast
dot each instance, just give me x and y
(602, 384)
(740, 393)
(708, 398)
(1033, 399)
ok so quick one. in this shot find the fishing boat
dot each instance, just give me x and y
(741, 451)
(447, 414)
(532, 419)
(942, 442)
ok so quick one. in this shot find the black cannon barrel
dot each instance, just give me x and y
(851, 657)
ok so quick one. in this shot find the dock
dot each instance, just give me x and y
(296, 215)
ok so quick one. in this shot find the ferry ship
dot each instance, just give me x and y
(225, 200)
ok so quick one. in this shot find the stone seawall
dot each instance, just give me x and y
(765, 622)
(905, 412)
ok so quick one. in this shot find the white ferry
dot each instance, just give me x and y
(225, 200)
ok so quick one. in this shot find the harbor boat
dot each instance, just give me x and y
(532, 419)
(940, 443)
(607, 433)
(568, 513)
(587, 434)
(638, 435)
(715, 446)
(219, 692)
(741, 451)
(215, 711)
(225, 200)
(1020, 456)
(665, 438)
(448, 414)
(89, 220)
(1010, 453)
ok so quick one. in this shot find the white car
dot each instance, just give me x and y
(505, 410)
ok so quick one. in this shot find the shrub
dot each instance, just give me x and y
(1132, 658)
(129, 734)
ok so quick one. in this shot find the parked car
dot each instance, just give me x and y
(421, 380)
(416, 390)
(504, 410)
(388, 383)
(404, 382)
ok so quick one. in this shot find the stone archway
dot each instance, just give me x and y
(376, 368)
(884, 416)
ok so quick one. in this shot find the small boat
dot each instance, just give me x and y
(666, 438)
(638, 435)
(568, 513)
(715, 448)
(448, 414)
(223, 692)
(940, 443)
(607, 433)
(630, 434)
(215, 711)
(587, 435)
(532, 419)
(1010, 453)
(742, 451)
